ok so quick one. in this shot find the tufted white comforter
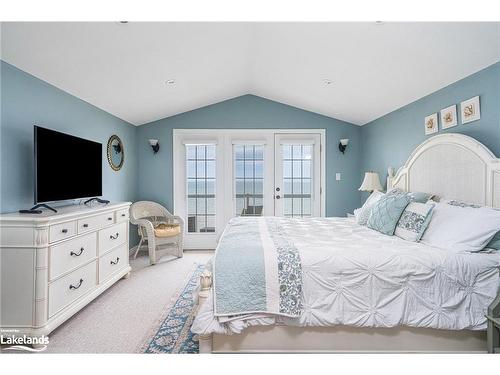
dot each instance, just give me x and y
(353, 275)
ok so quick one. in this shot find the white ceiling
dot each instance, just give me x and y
(374, 68)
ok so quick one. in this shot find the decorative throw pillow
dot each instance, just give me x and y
(494, 243)
(460, 227)
(364, 212)
(415, 196)
(386, 212)
(414, 221)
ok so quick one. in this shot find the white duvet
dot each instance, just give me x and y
(353, 275)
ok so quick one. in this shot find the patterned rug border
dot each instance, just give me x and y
(153, 330)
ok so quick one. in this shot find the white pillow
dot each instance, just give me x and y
(364, 212)
(460, 227)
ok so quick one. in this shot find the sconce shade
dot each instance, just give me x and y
(343, 144)
(154, 145)
(371, 182)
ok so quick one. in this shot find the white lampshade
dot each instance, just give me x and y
(371, 182)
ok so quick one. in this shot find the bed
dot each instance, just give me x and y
(360, 290)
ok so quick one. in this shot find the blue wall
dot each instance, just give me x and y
(251, 112)
(28, 101)
(389, 140)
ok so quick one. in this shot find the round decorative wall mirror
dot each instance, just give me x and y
(116, 153)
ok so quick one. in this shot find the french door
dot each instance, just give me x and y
(297, 180)
(221, 174)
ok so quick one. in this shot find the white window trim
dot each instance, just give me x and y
(225, 138)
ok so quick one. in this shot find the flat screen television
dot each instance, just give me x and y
(66, 167)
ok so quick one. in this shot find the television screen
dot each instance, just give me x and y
(66, 167)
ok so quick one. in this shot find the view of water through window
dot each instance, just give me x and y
(249, 179)
(200, 173)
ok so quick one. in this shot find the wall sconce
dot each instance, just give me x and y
(154, 145)
(343, 145)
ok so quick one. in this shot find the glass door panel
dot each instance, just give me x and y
(297, 179)
(248, 179)
(200, 182)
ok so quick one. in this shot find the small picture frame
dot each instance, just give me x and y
(431, 124)
(470, 110)
(449, 117)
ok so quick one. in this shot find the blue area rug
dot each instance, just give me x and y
(174, 333)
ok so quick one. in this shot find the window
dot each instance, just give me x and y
(200, 172)
(249, 179)
(297, 179)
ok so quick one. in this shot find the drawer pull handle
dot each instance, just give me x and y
(123, 215)
(110, 218)
(111, 237)
(75, 254)
(85, 225)
(76, 287)
(64, 230)
(116, 261)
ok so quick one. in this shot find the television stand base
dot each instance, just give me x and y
(35, 210)
(96, 199)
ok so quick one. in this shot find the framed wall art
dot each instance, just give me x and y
(449, 117)
(470, 110)
(431, 124)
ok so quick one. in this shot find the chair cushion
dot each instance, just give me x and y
(167, 230)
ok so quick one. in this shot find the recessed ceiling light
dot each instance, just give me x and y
(170, 82)
(327, 81)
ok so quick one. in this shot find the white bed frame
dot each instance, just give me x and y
(451, 166)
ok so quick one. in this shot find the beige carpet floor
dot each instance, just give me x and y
(120, 318)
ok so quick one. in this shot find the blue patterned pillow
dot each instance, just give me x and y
(414, 221)
(386, 212)
(494, 243)
(415, 196)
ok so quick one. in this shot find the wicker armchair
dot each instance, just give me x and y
(147, 215)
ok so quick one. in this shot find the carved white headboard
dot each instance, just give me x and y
(453, 166)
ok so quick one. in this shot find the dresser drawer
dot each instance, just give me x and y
(69, 288)
(61, 231)
(72, 254)
(95, 222)
(113, 261)
(112, 237)
(122, 215)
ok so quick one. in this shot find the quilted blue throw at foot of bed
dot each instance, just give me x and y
(257, 270)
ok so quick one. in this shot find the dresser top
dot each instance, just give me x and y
(63, 212)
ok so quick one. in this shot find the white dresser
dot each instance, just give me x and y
(54, 264)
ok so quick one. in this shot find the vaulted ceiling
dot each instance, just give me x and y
(356, 72)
